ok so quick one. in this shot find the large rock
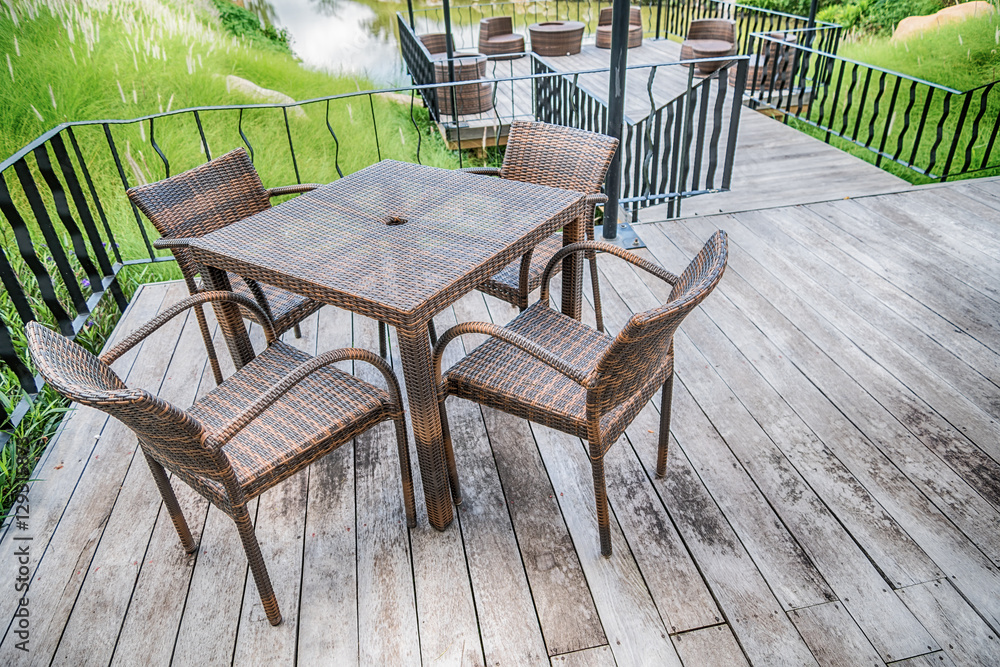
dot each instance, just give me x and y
(252, 90)
(915, 25)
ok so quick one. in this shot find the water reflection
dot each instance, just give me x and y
(341, 36)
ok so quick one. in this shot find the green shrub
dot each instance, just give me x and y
(244, 23)
(882, 16)
(846, 15)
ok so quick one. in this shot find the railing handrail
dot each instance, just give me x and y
(808, 49)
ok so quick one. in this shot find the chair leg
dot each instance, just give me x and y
(249, 538)
(173, 507)
(595, 282)
(433, 332)
(206, 335)
(383, 337)
(661, 452)
(449, 452)
(601, 496)
(298, 331)
(404, 464)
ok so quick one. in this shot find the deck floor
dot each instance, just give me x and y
(832, 493)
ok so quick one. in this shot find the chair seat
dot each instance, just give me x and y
(327, 408)
(287, 308)
(604, 36)
(504, 285)
(500, 375)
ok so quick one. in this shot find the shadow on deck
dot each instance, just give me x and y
(832, 493)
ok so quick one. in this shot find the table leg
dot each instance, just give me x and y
(230, 319)
(572, 271)
(422, 397)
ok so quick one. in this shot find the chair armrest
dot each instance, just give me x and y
(291, 189)
(517, 340)
(483, 171)
(161, 244)
(205, 297)
(597, 246)
(300, 373)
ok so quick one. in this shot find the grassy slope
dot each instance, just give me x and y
(960, 55)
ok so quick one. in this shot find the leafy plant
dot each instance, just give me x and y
(243, 23)
(882, 16)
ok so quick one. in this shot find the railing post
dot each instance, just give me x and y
(616, 112)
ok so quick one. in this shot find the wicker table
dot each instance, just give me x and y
(556, 38)
(396, 242)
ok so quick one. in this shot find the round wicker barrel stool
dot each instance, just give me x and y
(469, 99)
(556, 38)
(711, 48)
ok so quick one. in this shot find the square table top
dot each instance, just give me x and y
(395, 241)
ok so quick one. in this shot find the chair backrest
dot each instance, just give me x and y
(721, 29)
(166, 432)
(557, 156)
(496, 25)
(634, 16)
(202, 200)
(636, 362)
(435, 42)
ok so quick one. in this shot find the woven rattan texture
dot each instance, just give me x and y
(471, 98)
(205, 199)
(272, 418)
(593, 385)
(556, 38)
(634, 28)
(560, 157)
(417, 238)
(708, 29)
(497, 37)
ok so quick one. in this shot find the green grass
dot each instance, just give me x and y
(960, 55)
(132, 58)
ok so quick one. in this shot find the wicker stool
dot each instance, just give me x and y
(469, 99)
(634, 28)
(711, 48)
(556, 38)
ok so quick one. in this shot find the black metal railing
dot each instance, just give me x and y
(930, 129)
(681, 147)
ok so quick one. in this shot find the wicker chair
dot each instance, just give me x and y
(551, 369)
(436, 44)
(560, 157)
(204, 199)
(634, 28)
(272, 418)
(498, 40)
(707, 31)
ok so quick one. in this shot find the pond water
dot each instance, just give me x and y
(347, 37)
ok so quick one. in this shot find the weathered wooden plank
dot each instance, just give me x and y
(387, 610)
(64, 460)
(868, 396)
(508, 623)
(66, 560)
(955, 625)
(600, 656)
(106, 592)
(328, 608)
(780, 558)
(159, 597)
(925, 523)
(709, 647)
(743, 595)
(834, 637)
(890, 326)
(634, 629)
(935, 659)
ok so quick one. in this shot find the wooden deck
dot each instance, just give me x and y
(832, 494)
(775, 165)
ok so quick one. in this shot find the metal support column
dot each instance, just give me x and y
(616, 112)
